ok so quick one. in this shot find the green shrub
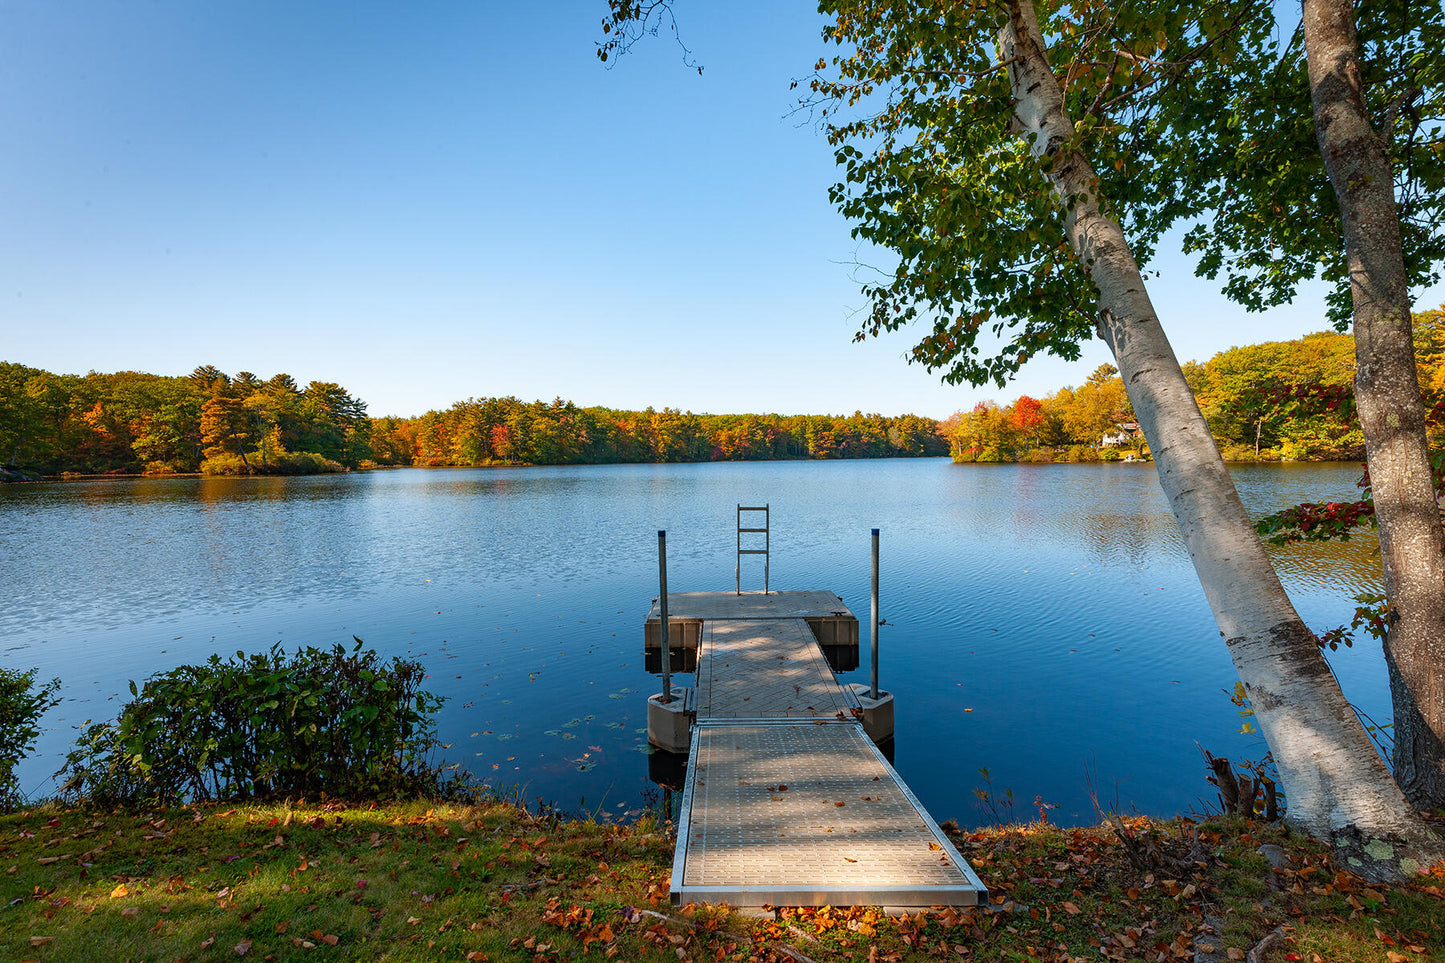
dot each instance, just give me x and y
(1110, 454)
(21, 706)
(994, 455)
(268, 724)
(304, 463)
(226, 464)
(282, 463)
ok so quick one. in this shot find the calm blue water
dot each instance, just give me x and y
(1044, 622)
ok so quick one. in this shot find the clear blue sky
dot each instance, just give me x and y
(426, 202)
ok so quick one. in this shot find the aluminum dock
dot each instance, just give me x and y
(787, 800)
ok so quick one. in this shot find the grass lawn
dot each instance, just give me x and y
(441, 881)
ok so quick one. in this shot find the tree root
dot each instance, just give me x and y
(1256, 955)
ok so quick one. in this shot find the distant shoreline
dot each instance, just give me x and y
(14, 477)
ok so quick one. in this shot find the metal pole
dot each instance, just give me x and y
(662, 594)
(873, 635)
(767, 544)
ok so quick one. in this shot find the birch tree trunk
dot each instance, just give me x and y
(1337, 786)
(1387, 394)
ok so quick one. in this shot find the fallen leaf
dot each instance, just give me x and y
(413, 920)
(242, 948)
(119, 891)
(330, 939)
(1234, 953)
(47, 860)
(40, 940)
(130, 911)
(1071, 909)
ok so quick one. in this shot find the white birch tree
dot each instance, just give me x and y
(982, 181)
(997, 182)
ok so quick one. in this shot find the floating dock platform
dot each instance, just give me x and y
(787, 800)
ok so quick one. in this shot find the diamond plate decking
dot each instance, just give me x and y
(766, 670)
(787, 802)
(802, 814)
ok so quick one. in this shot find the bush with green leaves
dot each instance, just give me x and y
(21, 706)
(269, 724)
(303, 463)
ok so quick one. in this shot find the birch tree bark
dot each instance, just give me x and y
(1387, 395)
(1338, 788)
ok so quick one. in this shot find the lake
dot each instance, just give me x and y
(1043, 621)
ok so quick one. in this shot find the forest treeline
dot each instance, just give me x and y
(1284, 400)
(205, 421)
(215, 423)
(505, 430)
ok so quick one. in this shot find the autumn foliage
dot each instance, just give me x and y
(1086, 423)
(484, 431)
(224, 424)
(1283, 400)
(207, 421)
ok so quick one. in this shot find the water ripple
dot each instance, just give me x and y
(1040, 619)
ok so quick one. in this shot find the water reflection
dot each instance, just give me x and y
(1041, 619)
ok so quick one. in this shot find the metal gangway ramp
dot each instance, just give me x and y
(787, 801)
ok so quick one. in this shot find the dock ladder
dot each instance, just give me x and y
(752, 551)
